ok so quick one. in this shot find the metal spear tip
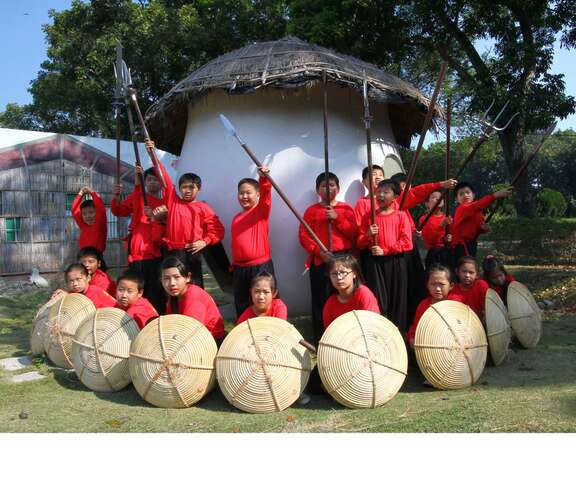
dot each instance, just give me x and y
(227, 124)
(126, 76)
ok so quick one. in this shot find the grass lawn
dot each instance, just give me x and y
(534, 391)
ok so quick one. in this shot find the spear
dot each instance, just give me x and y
(425, 127)
(523, 168)
(232, 130)
(367, 124)
(447, 166)
(326, 159)
(117, 104)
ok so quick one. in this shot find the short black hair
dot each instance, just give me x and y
(331, 176)
(393, 184)
(438, 267)
(175, 262)
(249, 181)
(265, 275)
(374, 167)
(150, 171)
(462, 185)
(491, 264)
(467, 259)
(132, 276)
(87, 203)
(76, 266)
(92, 252)
(192, 178)
(399, 177)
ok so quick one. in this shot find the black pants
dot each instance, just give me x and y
(470, 249)
(241, 279)
(416, 283)
(319, 293)
(153, 290)
(441, 255)
(193, 262)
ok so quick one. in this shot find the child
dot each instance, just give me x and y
(439, 285)
(496, 276)
(348, 291)
(363, 204)
(469, 220)
(386, 267)
(186, 298)
(92, 259)
(90, 216)
(434, 233)
(129, 291)
(264, 299)
(344, 232)
(144, 242)
(191, 225)
(77, 280)
(471, 288)
(250, 243)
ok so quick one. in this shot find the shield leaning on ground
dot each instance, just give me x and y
(450, 345)
(525, 315)
(39, 325)
(498, 329)
(362, 359)
(261, 366)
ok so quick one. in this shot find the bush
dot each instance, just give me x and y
(550, 203)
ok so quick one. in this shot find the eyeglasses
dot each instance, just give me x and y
(340, 274)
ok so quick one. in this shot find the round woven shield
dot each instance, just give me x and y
(261, 367)
(450, 345)
(362, 359)
(524, 314)
(497, 327)
(63, 320)
(101, 349)
(172, 361)
(39, 326)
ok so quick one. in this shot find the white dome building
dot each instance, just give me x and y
(272, 92)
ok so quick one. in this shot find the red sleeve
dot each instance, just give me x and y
(305, 239)
(125, 207)
(214, 321)
(327, 315)
(212, 228)
(280, 309)
(419, 194)
(142, 313)
(168, 192)
(422, 307)
(364, 238)
(477, 206)
(99, 208)
(367, 300)
(346, 223)
(246, 314)
(265, 202)
(76, 212)
(404, 240)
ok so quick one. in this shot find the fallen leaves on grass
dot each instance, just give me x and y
(116, 422)
(290, 418)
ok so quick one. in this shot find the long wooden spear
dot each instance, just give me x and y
(117, 104)
(367, 125)
(232, 130)
(425, 127)
(326, 158)
(447, 167)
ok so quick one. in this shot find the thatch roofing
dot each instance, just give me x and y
(286, 63)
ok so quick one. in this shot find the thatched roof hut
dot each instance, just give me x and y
(287, 63)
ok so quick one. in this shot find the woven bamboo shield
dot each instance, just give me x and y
(63, 320)
(261, 367)
(39, 326)
(101, 349)
(362, 359)
(497, 327)
(172, 361)
(525, 315)
(450, 345)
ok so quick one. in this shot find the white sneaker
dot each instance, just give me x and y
(303, 399)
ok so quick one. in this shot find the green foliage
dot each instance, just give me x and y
(551, 203)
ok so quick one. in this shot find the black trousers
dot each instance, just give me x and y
(441, 255)
(416, 283)
(387, 277)
(319, 293)
(153, 289)
(241, 279)
(470, 249)
(193, 262)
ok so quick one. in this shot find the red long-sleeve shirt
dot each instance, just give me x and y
(145, 235)
(474, 297)
(104, 281)
(188, 222)
(344, 230)
(91, 235)
(141, 311)
(416, 195)
(99, 297)
(468, 219)
(394, 233)
(199, 305)
(362, 299)
(250, 243)
(433, 232)
(362, 208)
(277, 309)
(422, 307)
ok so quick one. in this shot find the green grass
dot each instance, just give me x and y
(533, 391)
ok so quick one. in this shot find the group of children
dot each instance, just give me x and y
(169, 229)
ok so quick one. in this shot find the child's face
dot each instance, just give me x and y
(342, 278)
(377, 177)
(321, 190)
(174, 282)
(385, 196)
(188, 191)
(402, 185)
(88, 214)
(438, 286)
(127, 293)
(432, 199)
(76, 281)
(91, 263)
(465, 195)
(262, 295)
(248, 196)
(152, 184)
(497, 277)
(467, 273)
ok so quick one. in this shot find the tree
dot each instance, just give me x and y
(19, 117)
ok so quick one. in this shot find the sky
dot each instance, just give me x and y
(24, 49)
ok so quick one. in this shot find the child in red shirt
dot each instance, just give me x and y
(471, 288)
(250, 243)
(129, 291)
(434, 233)
(90, 216)
(343, 239)
(496, 276)
(92, 259)
(389, 239)
(265, 301)
(77, 280)
(348, 291)
(363, 204)
(188, 299)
